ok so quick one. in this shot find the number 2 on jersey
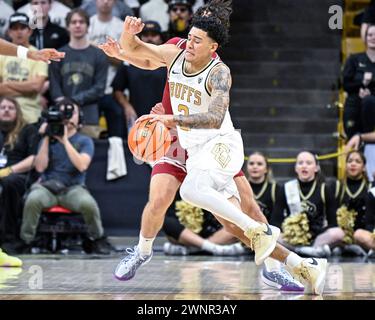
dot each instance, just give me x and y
(185, 110)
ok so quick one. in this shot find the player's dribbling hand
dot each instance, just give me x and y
(166, 119)
(133, 25)
(158, 109)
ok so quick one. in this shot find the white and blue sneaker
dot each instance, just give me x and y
(282, 280)
(128, 266)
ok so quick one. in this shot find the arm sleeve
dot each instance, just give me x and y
(350, 84)
(96, 91)
(87, 146)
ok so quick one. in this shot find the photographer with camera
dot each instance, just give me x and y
(63, 158)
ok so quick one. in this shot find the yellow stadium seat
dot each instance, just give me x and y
(352, 45)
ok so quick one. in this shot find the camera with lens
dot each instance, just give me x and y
(55, 117)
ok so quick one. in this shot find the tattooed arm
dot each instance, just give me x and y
(219, 82)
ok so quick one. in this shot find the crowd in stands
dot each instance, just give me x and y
(38, 171)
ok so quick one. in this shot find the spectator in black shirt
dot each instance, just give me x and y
(18, 144)
(359, 83)
(82, 74)
(46, 34)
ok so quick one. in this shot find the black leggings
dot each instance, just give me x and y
(173, 228)
(11, 205)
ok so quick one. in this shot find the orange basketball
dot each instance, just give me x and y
(149, 141)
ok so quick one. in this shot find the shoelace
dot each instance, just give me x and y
(254, 240)
(304, 273)
(131, 254)
(286, 276)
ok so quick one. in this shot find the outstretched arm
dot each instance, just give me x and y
(46, 55)
(160, 56)
(113, 49)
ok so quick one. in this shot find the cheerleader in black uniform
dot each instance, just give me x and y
(352, 200)
(264, 189)
(355, 213)
(261, 181)
(366, 236)
(306, 209)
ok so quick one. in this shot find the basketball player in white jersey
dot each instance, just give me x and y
(199, 89)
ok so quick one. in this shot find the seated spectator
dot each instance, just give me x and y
(63, 162)
(304, 208)
(192, 229)
(57, 13)
(120, 9)
(180, 13)
(352, 199)
(18, 144)
(156, 10)
(359, 83)
(46, 34)
(102, 25)
(369, 151)
(261, 181)
(365, 237)
(132, 78)
(20, 78)
(82, 74)
(5, 12)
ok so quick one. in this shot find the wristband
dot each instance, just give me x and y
(22, 52)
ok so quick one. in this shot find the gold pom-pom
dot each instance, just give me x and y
(189, 216)
(346, 221)
(296, 230)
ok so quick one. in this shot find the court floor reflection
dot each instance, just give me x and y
(195, 277)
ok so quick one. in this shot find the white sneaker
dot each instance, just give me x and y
(171, 249)
(311, 273)
(234, 249)
(128, 266)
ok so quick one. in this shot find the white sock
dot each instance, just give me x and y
(272, 265)
(292, 260)
(145, 245)
(208, 246)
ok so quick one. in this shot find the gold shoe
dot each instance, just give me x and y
(263, 240)
(9, 261)
(312, 273)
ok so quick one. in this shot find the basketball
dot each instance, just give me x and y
(149, 141)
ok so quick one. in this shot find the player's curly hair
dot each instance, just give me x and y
(213, 18)
(221, 9)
